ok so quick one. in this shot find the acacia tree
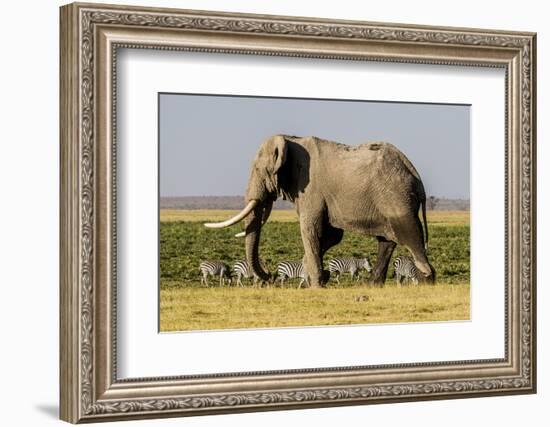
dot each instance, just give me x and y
(432, 202)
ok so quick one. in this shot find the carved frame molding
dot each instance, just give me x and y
(90, 35)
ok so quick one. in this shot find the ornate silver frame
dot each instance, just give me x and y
(90, 35)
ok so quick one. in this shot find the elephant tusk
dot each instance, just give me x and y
(239, 217)
(264, 220)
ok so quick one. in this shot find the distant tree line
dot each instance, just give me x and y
(434, 203)
(237, 202)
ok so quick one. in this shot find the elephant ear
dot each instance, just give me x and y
(279, 153)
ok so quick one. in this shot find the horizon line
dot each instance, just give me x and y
(242, 195)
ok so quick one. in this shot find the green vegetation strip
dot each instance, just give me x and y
(183, 245)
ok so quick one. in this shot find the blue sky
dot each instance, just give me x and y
(208, 142)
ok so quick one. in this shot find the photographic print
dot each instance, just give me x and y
(290, 212)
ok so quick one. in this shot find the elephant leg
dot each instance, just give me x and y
(409, 233)
(311, 230)
(380, 270)
(330, 237)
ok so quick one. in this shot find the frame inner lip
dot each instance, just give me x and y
(525, 359)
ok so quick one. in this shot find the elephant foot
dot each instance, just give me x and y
(377, 281)
(317, 283)
(320, 281)
(430, 280)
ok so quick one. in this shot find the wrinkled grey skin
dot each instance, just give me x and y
(371, 188)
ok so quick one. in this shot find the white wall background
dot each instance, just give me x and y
(29, 174)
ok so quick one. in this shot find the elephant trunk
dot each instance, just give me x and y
(267, 210)
(252, 242)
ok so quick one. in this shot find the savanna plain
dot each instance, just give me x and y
(185, 304)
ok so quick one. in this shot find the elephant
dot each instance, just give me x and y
(370, 188)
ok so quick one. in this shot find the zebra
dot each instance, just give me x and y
(243, 269)
(405, 269)
(353, 266)
(215, 268)
(292, 270)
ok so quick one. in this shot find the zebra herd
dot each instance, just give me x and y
(404, 268)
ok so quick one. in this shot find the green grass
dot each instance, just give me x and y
(185, 242)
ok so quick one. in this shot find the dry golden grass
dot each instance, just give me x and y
(168, 215)
(448, 217)
(233, 308)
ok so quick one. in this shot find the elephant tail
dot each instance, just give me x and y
(423, 203)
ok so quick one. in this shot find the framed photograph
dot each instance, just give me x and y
(266, 212)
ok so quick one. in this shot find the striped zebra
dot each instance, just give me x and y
(215, 268)
(292, 270)
(243, 269)
(338, 266)
(405, 270)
